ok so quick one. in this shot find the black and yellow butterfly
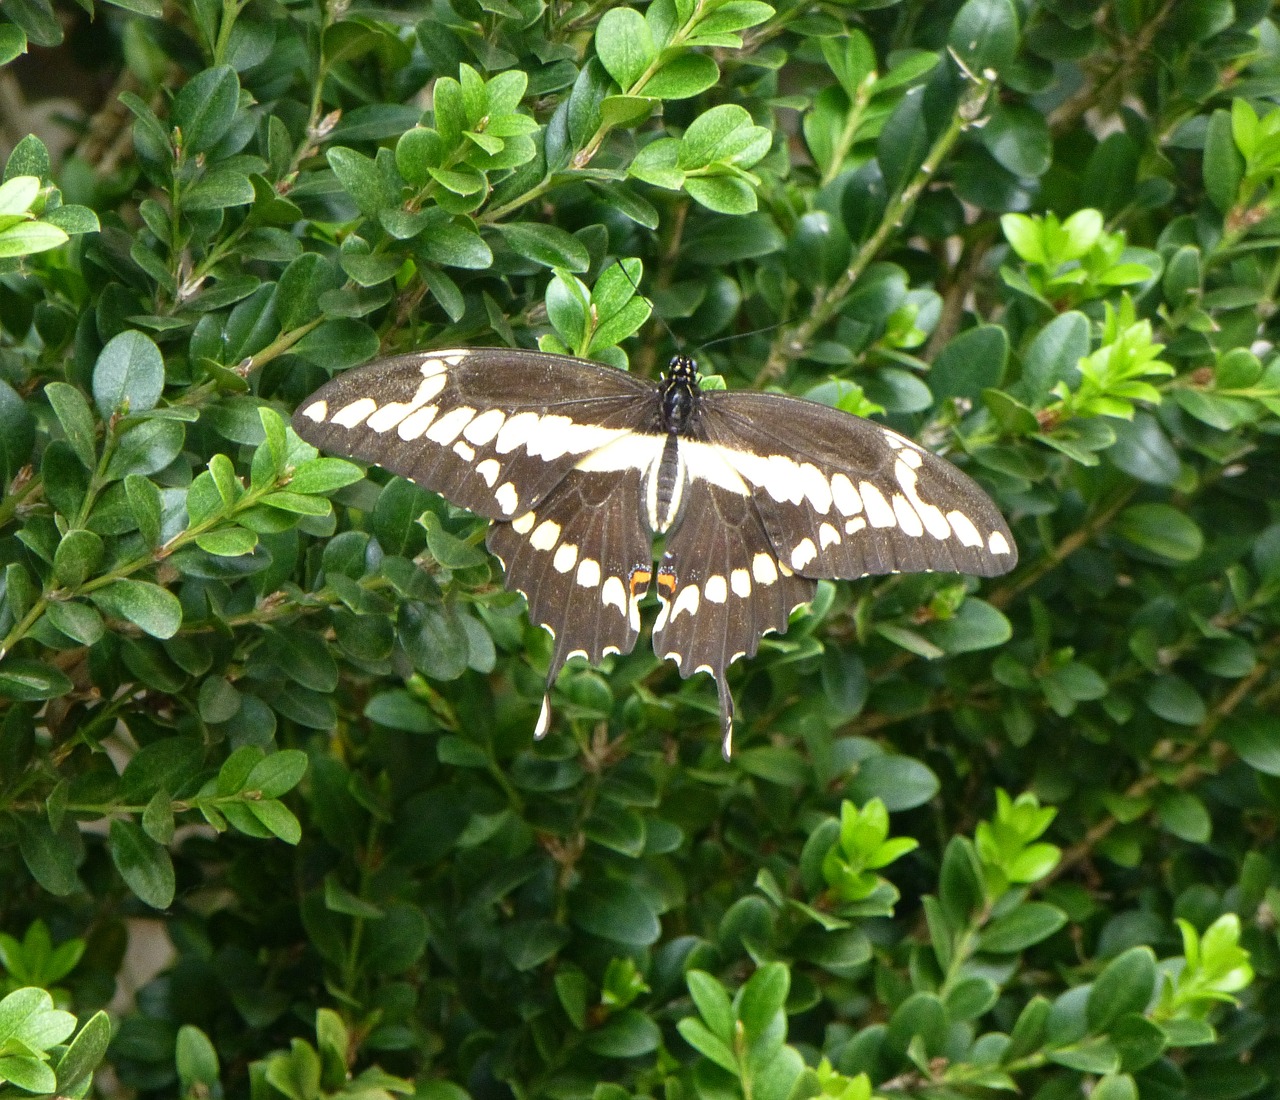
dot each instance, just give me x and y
(580, 465)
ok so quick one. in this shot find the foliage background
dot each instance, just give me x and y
(278, 714)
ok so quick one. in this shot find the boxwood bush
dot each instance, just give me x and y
(271, 713)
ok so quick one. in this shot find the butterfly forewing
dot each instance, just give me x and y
(843, 497)
(491, 430)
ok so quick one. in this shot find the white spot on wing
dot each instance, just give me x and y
(846, 498)
(577, 653)
(828, 536)
(565, 558)
(588, 572)
(507, 498)
(614, 594)
(803, 554)
(464, 452)
(316, 411)
(908, 518)
(448, 427)
(522, 525)
(854, 526)
(709, 463)
(688, 600)
(489, 469)
(763, 569)
(878, 510)
(716, 589)
(816, 487)
(484, 427)
(432, 365)
(515, 432)
(965, 531)
(546, 535)
(544, 718)
(740, 582)
(630, 451)
(997, 543)
(416, 423)
(356, 413)
(934, 521)
(912, 458)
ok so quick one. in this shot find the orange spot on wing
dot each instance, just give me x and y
(639, 581)
(666, 582)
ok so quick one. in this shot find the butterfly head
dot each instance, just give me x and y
(680, 391)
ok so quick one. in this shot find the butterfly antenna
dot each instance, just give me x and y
(653, 310)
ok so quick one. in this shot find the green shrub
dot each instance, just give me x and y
(276, 713)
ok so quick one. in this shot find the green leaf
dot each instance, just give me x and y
(205, 109)
(683, 77)
(624, 44)
(153, 609)
(29, 680)
(971, 362)
(277, 773)
(84, 1054)
(73, 413)
(712, 1003)
(50, 856)
(984, 34)
(77, 558)
(218, 189)
(1256, 739)
(129, 371)
(29, 238)
(1222, 165)
(615, 910)
(143, 864)
(78, 621)
(976, 625)
(324, 475)
(278, 819)
(547, 245)
(1028, 924)
(17, 433)
(763, 998)
(1161, 530)
(723, 194)
(1127, 985)
(361, 180)
(900, 782)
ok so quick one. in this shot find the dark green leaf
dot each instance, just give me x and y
(205, 109)
(143, 864)
(129, 370)
(148, 606)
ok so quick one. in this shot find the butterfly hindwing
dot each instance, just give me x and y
(492, 430)
(722, 588)
(582, 561)
(843, 497)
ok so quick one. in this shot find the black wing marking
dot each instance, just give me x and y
(494, 430)
(843, 497)
(722, 588)
(582, 559)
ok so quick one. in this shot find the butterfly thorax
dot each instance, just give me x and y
(679, 392)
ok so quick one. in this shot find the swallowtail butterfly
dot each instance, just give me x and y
(580, 465)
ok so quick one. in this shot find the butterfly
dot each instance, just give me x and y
(579, 466)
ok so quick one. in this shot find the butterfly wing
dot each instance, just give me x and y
(722, 588)
(582, 560)
(844, 497)
(493, 430)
